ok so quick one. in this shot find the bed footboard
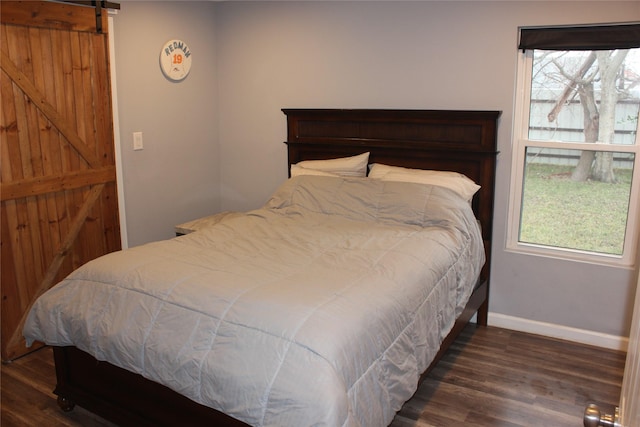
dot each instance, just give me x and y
(123, 397)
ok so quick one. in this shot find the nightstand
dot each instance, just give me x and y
(204, 222)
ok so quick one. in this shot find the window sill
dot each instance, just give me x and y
(571, 255)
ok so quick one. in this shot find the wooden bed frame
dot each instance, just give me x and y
(462, 141)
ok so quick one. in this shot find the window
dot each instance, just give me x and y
(575, 186)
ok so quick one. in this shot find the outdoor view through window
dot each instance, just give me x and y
(578, 152)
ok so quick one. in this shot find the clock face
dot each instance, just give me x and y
(175, 60)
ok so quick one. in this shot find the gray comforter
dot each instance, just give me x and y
(321, 308)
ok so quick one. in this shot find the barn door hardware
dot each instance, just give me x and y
(99, 6)
(594, 418)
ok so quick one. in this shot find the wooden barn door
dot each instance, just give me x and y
(58, 189)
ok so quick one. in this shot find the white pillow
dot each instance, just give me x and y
(455, 181)
(297, 170)
(344, 166)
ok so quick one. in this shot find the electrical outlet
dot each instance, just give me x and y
(137, 141)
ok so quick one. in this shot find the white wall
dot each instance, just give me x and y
(175, 177)
(432, 55)
(214, 141)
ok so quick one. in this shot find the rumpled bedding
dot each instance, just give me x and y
(320, 308)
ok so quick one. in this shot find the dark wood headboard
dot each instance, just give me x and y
(460, 141)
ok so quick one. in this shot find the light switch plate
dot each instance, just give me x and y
(137, 141)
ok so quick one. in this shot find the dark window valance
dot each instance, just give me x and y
(582, 37)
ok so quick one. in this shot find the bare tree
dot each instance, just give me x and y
(582, 83)
(609, 64)
(599, 123)
(582, 171)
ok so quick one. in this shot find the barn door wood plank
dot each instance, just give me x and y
(9, 275)
(48, 207)
(62, 164)
(104, 124)
(102, 105)
(22, 168)
(40, 149)
(59, 16)
(53, 165)
(79, 119)
(9, 161)
(82, 50)
(47, 184)
(35, 205)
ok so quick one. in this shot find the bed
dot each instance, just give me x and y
(326, 306)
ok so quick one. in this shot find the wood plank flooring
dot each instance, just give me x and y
(490, 377)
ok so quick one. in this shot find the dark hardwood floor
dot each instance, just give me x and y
(498, 377)
(490, 377)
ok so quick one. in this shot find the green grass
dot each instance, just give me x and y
(589, 216)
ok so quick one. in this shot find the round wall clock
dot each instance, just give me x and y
(175, 60)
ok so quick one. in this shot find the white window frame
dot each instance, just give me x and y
(520, 142)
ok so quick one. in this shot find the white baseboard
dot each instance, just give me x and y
(583, 336)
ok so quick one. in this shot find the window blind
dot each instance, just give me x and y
(582, 37)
